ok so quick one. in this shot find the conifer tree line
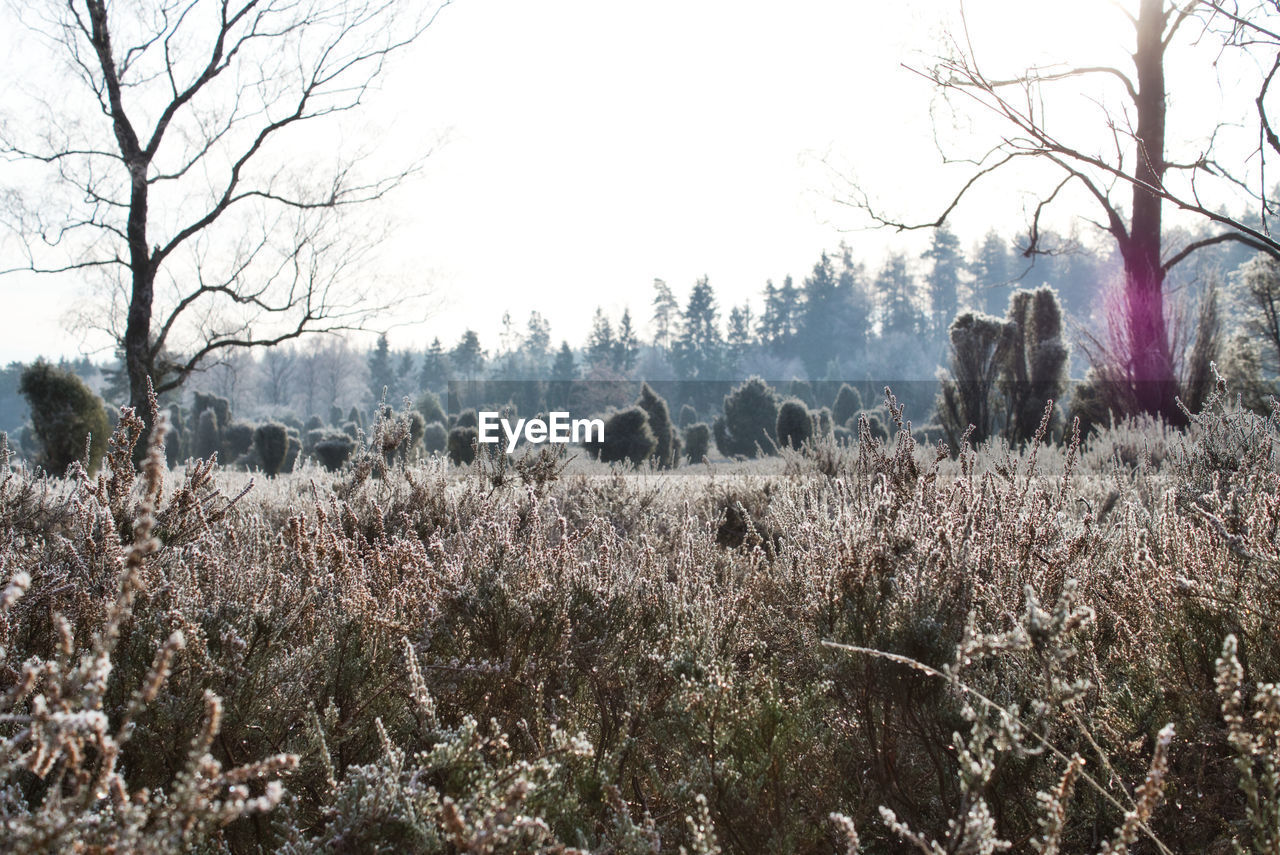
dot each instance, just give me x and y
(972, 341)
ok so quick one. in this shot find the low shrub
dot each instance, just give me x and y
(272, 442)
(462, 444)
(627, 436)
(794, 427)
(697, 442)
(334, 450)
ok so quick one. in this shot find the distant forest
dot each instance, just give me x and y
(839, 322)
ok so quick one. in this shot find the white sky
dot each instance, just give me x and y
(594, 145)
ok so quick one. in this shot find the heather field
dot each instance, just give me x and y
(872, 647)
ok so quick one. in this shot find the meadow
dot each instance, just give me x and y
(871, 647)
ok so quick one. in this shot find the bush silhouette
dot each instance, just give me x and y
(221, 408)
(208, 438)
(847, 404)
(688, 416)
(822, 422)
(1003, 372)
(697, 442)
(659, 418)
(237, 439)
(1035, 369)
(333, 450)
(462, 439)
(293, 452)
(979, 347)
(802, 390)
(435, 438)
(272, 442)
(64, 413)
(627, 436)
(794, 425)
(429, 405)
(749, 423)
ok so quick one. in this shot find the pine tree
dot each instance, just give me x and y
(854, 304)
(666, 312)
(382, 376)
(627, 346)
(992, 273)
(537, 342)
(467, 356)
(564, 370)
(601, 346)
(895, 288)
(739, 340)
(770, 326)
(406, 384)
(817, 342)
(943, 280)
(435, 367)
(790, 307)
(565, 366)
(699, 350)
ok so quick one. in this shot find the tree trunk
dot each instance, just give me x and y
(137, 334)
(1151, 369)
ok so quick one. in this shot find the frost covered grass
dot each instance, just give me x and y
(872, 648)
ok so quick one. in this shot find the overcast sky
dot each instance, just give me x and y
(591, 146)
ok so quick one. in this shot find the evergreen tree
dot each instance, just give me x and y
(854, 304)
(627, 346)
(564, 370)
(537, 343)
(992, 272)
(817, 343)
(565, 367)
(601, 346)
(771, 325)
(406, 384)
(942, 283)
(738, 340)
(895, 288)
(699, 349)
(382, 376)
(666, 312)
(790, 308)
(435, 367)
(467, 356)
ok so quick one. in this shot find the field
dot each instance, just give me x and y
(1065, 648)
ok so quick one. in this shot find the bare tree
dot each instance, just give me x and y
(188, 170)
(277, 370)
(342, 373)
(1130, 183)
